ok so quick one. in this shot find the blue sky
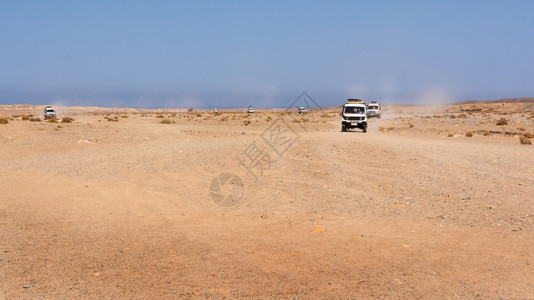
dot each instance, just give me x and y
(263, 53)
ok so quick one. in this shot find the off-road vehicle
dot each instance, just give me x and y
(374, 110)
(302, 110)
(354, 115)
(49, 112)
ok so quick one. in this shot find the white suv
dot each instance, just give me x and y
(49, 112)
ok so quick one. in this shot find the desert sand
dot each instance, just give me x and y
(432, 202)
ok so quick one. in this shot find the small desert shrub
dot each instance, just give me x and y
(410, 125)
(173, 115)
(25, 118)
(486, 133)
(3, 121)
(124, 117)
(502, 121)
(382, 128)
(528, 135)
(160, 116)
(53, 119)
(165, 121)
(391, 128)
(35, 119)
(67, 120)
(469, 134)
(525, 140)
(450, 135)
(521, 128)
(268, 119)
(246, 122)
(199, 115)
(113, 120)
(225, 118)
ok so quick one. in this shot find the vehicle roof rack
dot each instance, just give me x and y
(354, 100)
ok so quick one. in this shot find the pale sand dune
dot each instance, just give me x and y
(413, 208)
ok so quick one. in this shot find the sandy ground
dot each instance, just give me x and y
(138, 209)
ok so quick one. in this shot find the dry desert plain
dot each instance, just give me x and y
(432, 202)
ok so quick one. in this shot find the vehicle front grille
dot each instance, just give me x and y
(355, 118)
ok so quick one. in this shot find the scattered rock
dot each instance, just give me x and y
(318, 229)
(27, 286)
(83, 142)
(146, 138)
(8, 137)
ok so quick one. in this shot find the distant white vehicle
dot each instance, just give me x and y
(302, 110)
(215, 110)
(49, 112)
(374, 110)
(250, 110)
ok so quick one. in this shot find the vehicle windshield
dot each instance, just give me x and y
(354, 110)
(372, 107)
(49, 109)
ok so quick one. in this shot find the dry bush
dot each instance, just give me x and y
(502, 121)
(521, 128)
(382, 128)
(53, 119)
(246, 122)
(391, 128)
(410, 125)
(268, 119)
(113, 120)
(528, 135)
(124, 117)
(26, 118)
(469, 134)
(173, 115)
(35, 119)
(486, 133)
(199, 115)
(4, 121)
(67, 120)
(225, 118)
(160, 116)
(525, 140)
(450, 135)
(165, 121)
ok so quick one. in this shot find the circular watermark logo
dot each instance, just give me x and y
(226, 189)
